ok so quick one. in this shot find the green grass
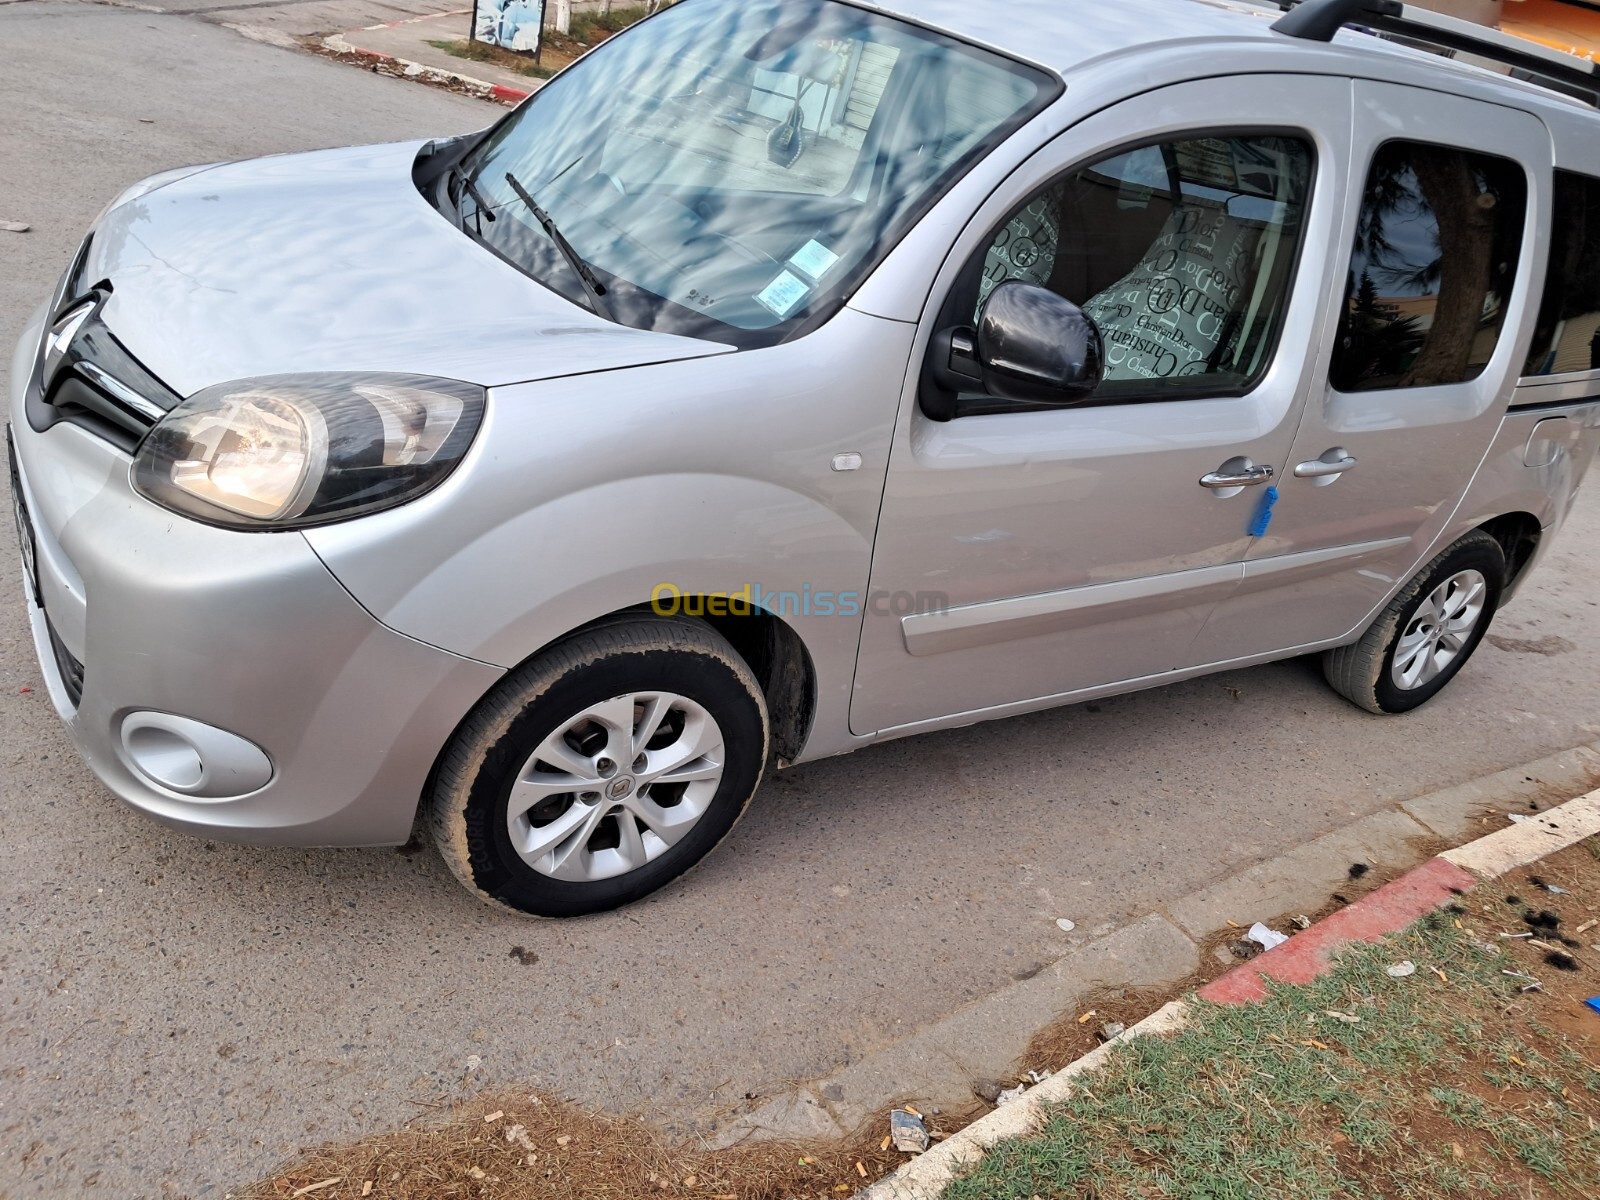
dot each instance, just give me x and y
(480, 52)
(1239, 1107)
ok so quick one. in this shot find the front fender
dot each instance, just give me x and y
(586, 495)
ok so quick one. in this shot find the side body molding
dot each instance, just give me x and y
(1079, 608)
(1055, 612)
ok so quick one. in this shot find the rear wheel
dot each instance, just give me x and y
(1426, 634)
(601, 770)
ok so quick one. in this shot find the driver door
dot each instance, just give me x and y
(1026, 553)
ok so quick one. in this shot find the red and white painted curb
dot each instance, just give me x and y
(1415, 894)
(340, 43)
(1306, 955)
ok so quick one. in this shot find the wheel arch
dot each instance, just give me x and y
(775, 653)
(1519, 534)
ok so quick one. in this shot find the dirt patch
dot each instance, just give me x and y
(524, 1147)
(1552, 909)
(1549, 646)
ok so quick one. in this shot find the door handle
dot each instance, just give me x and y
(1334, 462)
(1235, 477)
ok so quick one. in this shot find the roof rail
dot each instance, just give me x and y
(1319, 20)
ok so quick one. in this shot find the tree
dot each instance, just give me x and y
(1471, 211)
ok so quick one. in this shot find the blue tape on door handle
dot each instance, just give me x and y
(1263, 518)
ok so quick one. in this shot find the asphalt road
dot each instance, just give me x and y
(177, 1015)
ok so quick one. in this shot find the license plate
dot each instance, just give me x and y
(25, 536)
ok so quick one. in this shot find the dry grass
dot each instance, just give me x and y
(544, 1149)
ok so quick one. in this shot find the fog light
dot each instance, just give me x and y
(192, 758)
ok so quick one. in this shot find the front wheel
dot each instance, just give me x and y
(1427, 632)
(601, 770)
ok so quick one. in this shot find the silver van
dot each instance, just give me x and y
(789, 375)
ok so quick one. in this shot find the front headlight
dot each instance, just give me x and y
(292, 450)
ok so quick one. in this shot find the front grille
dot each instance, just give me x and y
(100, 386)
(78, 402)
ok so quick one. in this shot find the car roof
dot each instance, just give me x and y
(1067, 35)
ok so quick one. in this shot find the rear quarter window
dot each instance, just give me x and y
(1567, 336)
(1435, 254)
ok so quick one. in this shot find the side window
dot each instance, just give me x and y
(1435, 253)
(1567, 337)
(1182, 252)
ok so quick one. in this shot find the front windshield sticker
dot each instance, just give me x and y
(783, 293)
(815, 259)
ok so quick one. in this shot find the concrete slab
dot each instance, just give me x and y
(1305, 876)
(939, 1064)
(1531, 839)
(1464, 810)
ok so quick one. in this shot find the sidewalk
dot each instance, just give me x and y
(409, 41)
(1348, 1020)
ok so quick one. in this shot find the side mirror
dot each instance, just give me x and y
(1036, 347)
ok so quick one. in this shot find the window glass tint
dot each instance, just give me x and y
(1182, 253)
(1567, 337)
(801, 124)
(731, 168)
(1435, 252)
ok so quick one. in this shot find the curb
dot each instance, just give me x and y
(939, 1061)
(1302, 958)
(1310, 954)
(339, 43)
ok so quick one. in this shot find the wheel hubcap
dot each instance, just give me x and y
(575, 815)
(1439, 630)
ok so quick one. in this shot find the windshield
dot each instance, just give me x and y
(731, 168)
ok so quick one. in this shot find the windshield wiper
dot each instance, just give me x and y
(597, 293)
(471, 189)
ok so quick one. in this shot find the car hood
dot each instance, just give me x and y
(332, 261)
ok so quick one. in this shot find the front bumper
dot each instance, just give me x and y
(247, 632)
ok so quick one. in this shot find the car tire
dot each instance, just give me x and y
(1426, 634)
(601, 770)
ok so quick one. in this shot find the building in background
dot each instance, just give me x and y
(1572, 26)
(1562, 24)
